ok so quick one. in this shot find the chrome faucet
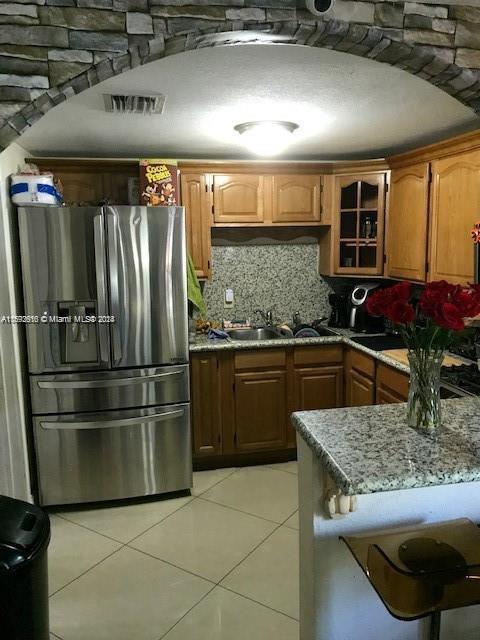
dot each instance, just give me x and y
(266, 315)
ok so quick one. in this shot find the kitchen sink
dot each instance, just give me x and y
(261, 333)
(324, 331)
(320, 329)
(380, 343)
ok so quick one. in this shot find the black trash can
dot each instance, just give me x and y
(24, 538)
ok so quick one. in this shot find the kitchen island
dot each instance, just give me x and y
(384, 475)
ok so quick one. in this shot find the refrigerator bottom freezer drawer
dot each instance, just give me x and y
(109, 390)
(87, 457)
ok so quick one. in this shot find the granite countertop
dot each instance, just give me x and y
(371, 449)
(202, 344)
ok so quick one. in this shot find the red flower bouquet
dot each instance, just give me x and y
(441, 310)
(427, 327)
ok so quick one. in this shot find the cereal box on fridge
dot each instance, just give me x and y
(158, 182)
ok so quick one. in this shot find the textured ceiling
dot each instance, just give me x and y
(345, 106)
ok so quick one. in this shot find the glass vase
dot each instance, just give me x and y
(423, 408)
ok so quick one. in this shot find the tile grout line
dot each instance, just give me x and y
(162, 520)
(127, 544)
(292, 473)
(218, 583)
(192, 496)
(122, 542)
(213, 583)
(253, 515)
(197, 575)
(287, 525)
(242, 595)
(176, 566)
(216, 483)
(86, 571)
(220, 586)
(292, 514)
(250, 553)
(247, 556)
(187, 612)
(83, 526)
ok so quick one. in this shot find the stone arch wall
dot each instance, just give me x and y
(53, 49)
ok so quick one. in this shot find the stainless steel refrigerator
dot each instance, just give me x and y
(107, 339)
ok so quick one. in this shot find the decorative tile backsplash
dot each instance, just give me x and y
(281, 275)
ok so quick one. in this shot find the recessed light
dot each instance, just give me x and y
(266, 137)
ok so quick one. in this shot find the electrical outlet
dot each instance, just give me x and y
(229, 299)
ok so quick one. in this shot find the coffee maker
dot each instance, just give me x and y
(339, 304)
(360, 319)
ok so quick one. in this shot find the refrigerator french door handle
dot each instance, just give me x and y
(101, 277)
(113, 260)
(111, 424)
(96, 384)
(169, 280)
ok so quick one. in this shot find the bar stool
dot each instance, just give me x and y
(422, 571)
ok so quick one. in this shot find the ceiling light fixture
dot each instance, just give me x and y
(266, 137)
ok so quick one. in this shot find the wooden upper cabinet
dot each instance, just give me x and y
(82, 187)
(88, 183)
(196, 198)
(358, 222)
(238, 198)
(296, 198)
(408, 223)
(455, 207)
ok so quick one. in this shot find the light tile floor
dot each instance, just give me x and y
(219, 565)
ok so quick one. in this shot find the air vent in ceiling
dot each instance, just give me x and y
(144, 105)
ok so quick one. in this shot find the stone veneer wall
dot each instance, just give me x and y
(284, 276)
(53, 49)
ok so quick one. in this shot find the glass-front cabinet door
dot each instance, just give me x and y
(360, 219)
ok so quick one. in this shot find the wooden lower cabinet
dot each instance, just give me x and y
(260, 410)
(206, 408)
(392, 385)
(242, 400)
(370, 382)
(359, 379)
(318, 388)
(361, 390)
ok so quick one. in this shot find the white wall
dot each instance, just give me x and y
(14, 467)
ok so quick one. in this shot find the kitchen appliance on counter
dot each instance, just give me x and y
(339, 310)
(108, 356)
(360, 319)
